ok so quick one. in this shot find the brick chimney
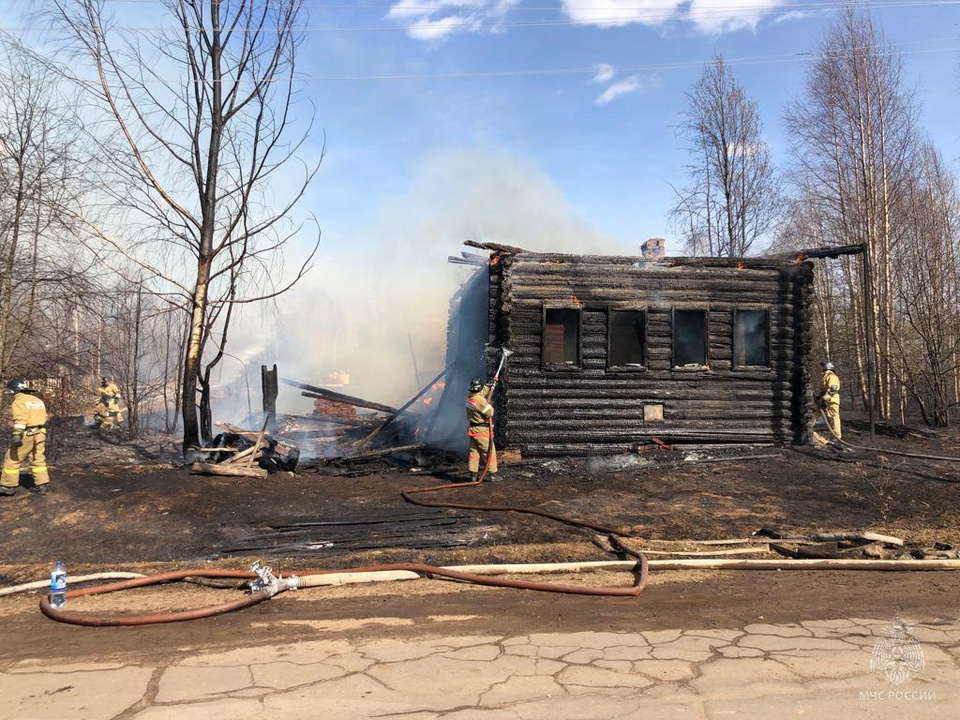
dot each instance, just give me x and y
(654, 249)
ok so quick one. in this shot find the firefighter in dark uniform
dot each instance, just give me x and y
(480, 430)
(28, 440)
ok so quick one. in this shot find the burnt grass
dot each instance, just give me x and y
(117, 504)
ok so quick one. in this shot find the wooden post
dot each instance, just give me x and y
(868, 332)
(270, 388)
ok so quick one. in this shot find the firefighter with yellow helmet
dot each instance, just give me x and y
(483, 452)
(106, 415)
(28, 440)
(828, 403)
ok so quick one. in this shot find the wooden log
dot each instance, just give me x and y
(338, 397)
(325, 419)
(375, 453)
(857, 535)
(228, 470)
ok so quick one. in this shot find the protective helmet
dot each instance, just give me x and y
(827, 365)
(15, 385)
(103, 382)
(476, 384)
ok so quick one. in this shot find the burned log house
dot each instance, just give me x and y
(611, 352)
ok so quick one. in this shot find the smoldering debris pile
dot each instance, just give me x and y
(336, 439)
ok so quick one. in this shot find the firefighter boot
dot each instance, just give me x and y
(7, 491)
(473, 477)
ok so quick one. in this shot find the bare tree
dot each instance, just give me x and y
(40, 168)
(927, 291)
(731, 200)
(204, 108)
(854, 146)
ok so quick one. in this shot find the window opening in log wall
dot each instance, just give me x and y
(561, 336)
(689, 338)
(751, 338)
(627, 338)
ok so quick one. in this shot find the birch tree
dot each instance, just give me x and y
(854, 135)
(203, 109)
(927, 291)
(41, 278)
(730, 202)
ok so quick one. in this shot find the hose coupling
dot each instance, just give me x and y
(265, 580)
(291, 582)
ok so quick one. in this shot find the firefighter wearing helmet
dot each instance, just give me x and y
(483, 453)
(28, 440)
(106, 415)
(828, 403)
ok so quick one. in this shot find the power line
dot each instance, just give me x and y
(646, 67)
(749, 61)
(658, 14)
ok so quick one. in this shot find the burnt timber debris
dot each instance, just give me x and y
(614, 351)
(418, 528)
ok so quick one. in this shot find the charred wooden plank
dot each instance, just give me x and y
(314, 391)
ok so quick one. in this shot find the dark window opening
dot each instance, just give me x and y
(689, 337)
(751, 338)
(561, 336)
(627, 330)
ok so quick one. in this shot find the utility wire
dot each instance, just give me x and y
(759, 60)
(457, 23)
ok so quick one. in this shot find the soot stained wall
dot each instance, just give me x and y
(593, 408)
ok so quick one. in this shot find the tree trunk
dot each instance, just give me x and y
(193, 359)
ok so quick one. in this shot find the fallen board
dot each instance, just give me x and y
(233, 470)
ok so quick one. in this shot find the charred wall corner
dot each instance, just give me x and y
(563, 395)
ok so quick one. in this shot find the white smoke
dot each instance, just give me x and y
(372, 298)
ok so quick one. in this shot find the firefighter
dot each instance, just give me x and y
(828, 402)
(107, 415)
(28, 441)
(480, 430)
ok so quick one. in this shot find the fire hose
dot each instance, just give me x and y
(412, 571)
(919, 456)
(264, 585)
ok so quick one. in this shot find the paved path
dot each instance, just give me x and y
(817, 669)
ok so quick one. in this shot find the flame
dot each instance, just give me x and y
(740, 266)
(575, 300)
(427, 400)
(495, 259)
(799, 259)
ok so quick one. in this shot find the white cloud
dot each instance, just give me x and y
(708, 17)
(793, 15)
(633, 85)
(715, 17)
(604, 74)
(616, 13)
(436, 19)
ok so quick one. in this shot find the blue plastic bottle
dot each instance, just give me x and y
(58, 585)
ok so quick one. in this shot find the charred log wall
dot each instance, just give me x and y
(591, 408)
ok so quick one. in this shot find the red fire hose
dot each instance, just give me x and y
(641, 572)
(104, 620)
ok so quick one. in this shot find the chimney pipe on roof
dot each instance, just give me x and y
(654, 249)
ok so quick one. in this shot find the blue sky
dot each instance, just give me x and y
(447, 88)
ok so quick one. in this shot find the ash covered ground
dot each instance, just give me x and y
(113, 503)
